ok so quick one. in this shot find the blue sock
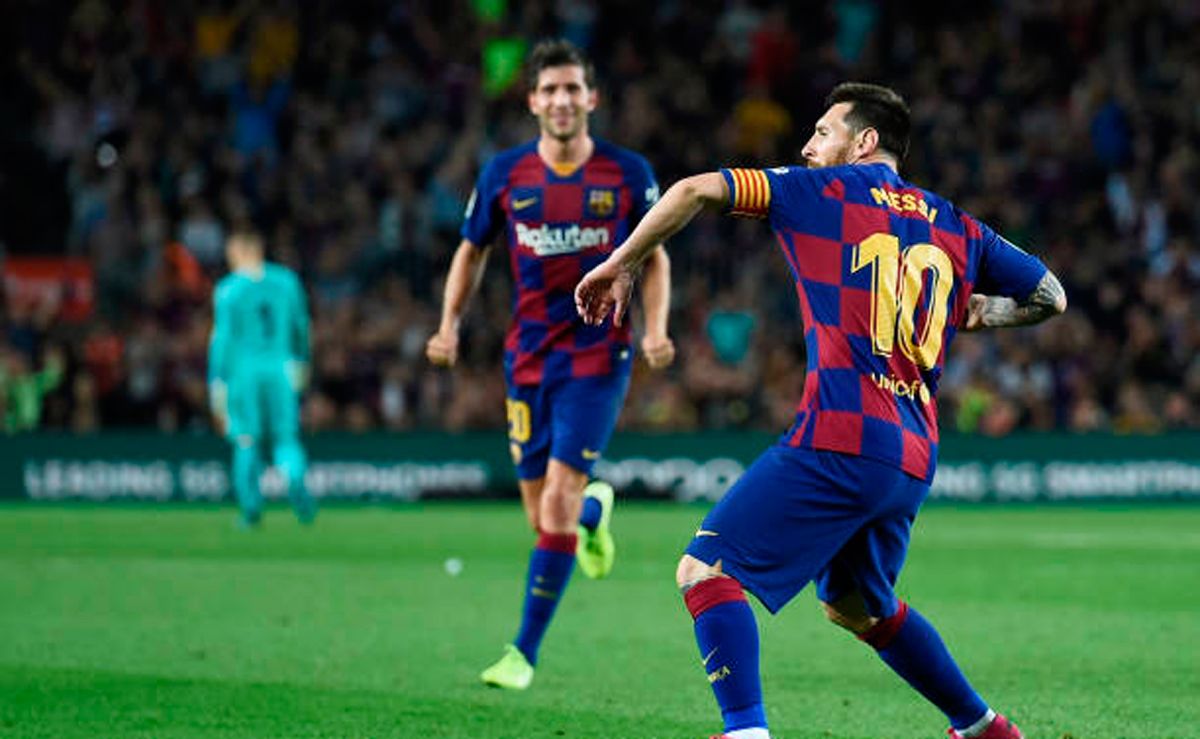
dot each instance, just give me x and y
(245, 480)
(912, 648)
(550, 568)
(290, 458)
(589, 517)
(727, 635)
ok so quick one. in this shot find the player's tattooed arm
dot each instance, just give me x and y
(989, 311)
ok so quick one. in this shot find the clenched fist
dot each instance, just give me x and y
(442, 348)
(659, 350)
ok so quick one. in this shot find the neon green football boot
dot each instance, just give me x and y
(596, 551)
(512, 671)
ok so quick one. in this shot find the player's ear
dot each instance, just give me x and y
(868, 142)
(531, 99)
(593, 99)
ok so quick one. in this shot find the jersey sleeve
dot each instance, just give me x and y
(483, 217)
(218, 343)
(761, 193)
(749, 192)
(643, 188)
(1006, 269)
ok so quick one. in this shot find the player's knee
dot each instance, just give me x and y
(691, 571)
(558, 512)
(851, 619)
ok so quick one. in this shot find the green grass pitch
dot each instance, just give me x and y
(1080, 622)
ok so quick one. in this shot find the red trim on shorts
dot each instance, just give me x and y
(712, 592)
(881, 634)
(562, 543)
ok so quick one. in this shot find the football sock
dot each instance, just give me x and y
(589, 517)
(550, 568)
(749, 734)
(290, 458)
(978, 727)
(245, 480)
(912, 648)
(727, 636)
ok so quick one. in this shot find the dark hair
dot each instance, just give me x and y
(877, 107)
(557, 53)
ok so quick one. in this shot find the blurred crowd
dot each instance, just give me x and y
(350, 134)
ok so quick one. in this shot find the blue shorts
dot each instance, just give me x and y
(262, 402)
(570, 420)
(798, 515)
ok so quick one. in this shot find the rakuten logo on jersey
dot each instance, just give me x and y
(547, 241)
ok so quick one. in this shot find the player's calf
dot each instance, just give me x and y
(550, 566)
(291, 459)
(912, 647)
(727, 637)
(246, 467)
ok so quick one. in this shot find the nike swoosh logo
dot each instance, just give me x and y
(705, 532)
(523, 203)
(709, 656)
(590, 454)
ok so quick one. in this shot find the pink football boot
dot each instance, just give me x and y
(1000, 728)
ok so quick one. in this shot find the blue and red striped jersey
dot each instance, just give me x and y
(883, 271)
(557, 227)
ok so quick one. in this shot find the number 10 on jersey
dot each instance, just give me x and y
(897, 279)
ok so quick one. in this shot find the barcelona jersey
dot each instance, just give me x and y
(557, 227)
(883, 271)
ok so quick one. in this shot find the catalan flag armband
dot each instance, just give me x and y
(751, 197)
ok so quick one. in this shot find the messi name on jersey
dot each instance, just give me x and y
(547, 240)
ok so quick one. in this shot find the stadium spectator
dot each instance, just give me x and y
(23, 388)
(350, 133)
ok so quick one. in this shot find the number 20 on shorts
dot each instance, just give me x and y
(519, 428)
(896, 281)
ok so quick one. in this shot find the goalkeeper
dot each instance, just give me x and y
(257, 366)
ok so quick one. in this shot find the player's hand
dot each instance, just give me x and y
(218, 400)
(298, 375)
(220, 424)
(659, 350)
(975, 307)
(442, 348)
(606, 289)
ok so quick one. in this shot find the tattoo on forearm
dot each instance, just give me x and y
(1048, 299)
